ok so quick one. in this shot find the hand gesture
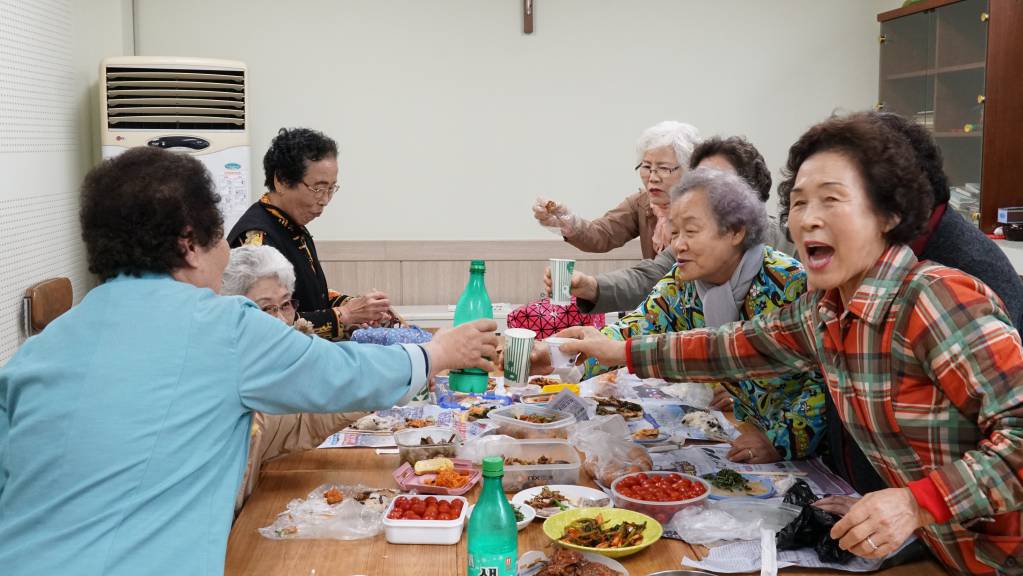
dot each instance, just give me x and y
(584, 286)
(590, 343)
(880, 523)
(371, 308)
(471, 345)
(554, 215)
(753, 447)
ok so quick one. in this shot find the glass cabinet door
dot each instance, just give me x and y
(907, 64)
(961, 51)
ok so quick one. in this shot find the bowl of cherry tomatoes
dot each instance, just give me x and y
(658, 494)
(425, 520)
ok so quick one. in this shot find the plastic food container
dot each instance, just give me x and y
(407, 479)
(508, 422)
(440, 442)
(662, 511)
(425, 531)
(518, 477)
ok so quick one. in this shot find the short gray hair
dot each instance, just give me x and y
(250, 264)
(680, 136)
(735, 205)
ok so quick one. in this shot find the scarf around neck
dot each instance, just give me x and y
(721, 303)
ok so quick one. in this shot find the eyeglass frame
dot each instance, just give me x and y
(661, 171)
(329, 192)
(275, 309)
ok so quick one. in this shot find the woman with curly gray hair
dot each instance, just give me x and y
(723, 273)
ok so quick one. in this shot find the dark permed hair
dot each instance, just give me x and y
(135, 208)
(896, 184)
(289, 152)
(928, 155)
(743, 156)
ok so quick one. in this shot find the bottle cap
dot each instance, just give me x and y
(478, 266)
(493, 466)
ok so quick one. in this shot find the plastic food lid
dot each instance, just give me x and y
(493, 466)
(478, 266)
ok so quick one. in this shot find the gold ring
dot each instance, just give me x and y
(750, 450)
(871, 542)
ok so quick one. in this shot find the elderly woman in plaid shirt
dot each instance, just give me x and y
(922, 360)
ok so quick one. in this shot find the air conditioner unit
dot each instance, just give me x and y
(192, 105)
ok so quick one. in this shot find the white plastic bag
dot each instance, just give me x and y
(350, 519)
(710, 526)
(608, 448)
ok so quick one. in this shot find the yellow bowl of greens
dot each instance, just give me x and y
(611, 532)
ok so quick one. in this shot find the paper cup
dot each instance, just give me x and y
(518, 343)
(559, 359)
(561, 281)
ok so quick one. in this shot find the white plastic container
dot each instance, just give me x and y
(425, 531)
(508, 422)
(518, 477)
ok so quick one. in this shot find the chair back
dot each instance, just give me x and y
(44, 302)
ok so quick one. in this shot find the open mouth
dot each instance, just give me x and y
(818, 254)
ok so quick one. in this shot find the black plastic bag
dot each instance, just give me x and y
(812, 528)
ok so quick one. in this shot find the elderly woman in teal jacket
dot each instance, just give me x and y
(124, 425)
(725, 273)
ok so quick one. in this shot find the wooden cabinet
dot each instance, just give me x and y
(956, 66)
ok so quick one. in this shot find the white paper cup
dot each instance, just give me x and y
(559, 359)
(518, 343)
(561, 281)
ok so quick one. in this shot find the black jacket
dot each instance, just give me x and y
(267, 225)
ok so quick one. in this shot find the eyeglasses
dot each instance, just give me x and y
(286, 310)
(327, 191)
(661, 171)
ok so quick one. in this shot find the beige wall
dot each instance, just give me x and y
(451, 120)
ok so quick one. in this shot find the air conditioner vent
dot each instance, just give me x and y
(169, 99)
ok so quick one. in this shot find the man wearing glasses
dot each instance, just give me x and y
(301, 178)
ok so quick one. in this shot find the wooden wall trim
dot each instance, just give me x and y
(913, 9)
(446, 250)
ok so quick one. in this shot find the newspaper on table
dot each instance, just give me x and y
(566, 401)
(434, 415)
(744, 556)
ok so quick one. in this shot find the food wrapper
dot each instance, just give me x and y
(349, 519)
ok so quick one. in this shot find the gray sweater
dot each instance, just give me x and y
(626, 288)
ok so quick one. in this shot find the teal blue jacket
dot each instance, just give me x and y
(124, 426)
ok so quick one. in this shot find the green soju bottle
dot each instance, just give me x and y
(473, 305)
(493, 537)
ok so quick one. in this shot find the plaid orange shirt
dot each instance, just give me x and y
(927, 374)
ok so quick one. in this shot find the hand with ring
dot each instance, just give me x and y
(880, 523)
(752, 447)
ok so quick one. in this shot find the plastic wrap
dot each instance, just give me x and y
(609, 449)
(348, 519)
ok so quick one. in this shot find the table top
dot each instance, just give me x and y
(296, 475)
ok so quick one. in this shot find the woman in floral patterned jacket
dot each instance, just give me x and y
(725, 273)
(922, 361)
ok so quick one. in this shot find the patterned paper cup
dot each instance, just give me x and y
(518, 343)
(561, 281)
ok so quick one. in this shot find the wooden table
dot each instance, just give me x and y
(296, 475)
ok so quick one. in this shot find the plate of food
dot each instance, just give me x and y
(649, 435)
(565, 561)
(524, 514)
(389, 423)
(728, 483)
(707, 423)
(550, 500)
(611, 532)
(628, 410)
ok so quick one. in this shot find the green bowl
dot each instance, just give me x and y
(554, 528)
